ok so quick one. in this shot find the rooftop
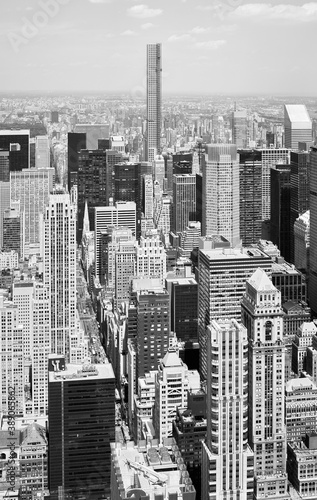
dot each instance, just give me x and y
(297, 114)
(78, 371)
(261, 282)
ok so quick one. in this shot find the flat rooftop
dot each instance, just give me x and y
(82, 372)
(234, 253)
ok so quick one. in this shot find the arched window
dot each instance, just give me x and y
(268, 331)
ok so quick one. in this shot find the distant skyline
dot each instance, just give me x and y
(234, 47)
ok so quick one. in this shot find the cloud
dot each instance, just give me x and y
(205, 8)
(128, 33)
(210, 44)
(179, 38)
(147, 26)
(100, 1)
(263, 11)
(143, 11)
(198, 30)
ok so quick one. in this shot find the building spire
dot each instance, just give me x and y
(86, 225)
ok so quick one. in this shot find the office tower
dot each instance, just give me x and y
(127, 185)
(93, 133)
(222, 275)
(188, 239)
(155, 472)
(12, 361)
(153, 324)
(4, 166)
(184, 201)
(144, 400)
(303, 339)
(199, 198)
(147, 196)
(117, 143)
(289, 281)
(227, 460)
(299, 166)
(32, 189)
(75, 143)
(302, 241)
(297, 124)
(250, 196)
(182, 163)
(33, 461)
(125, 263)
(300, 408)
(281, 209)
(81, 410)
(270, 158)
(118, 215)
(17, 142)
(263, 317)
(42, 152)
(189, 430)
(173, 381)
(239, 124)
(13, 230)
(159, 170)
(151, 257)
(312, 291)
(22, 296)
(4, 205)
(220, 211)
(59, 263)
(162, 212)
(183, 291)
(153, 100)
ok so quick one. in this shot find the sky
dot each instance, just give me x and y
(208, 46)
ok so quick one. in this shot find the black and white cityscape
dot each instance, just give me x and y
(158, 250)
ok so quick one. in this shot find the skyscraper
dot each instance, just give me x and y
(153, 100)
(32, 187)
(281, 209)
(184, 201)
(221, 192)
(59, 259)
(263, 317)
(250, 196)
(81, 409)
(17, 143)
(222, 275)
(297, 124)
(270, 158)
(75, 142)
(312, 290)
(42, 152)
(240, 128)
(227, 460)
(299, 166)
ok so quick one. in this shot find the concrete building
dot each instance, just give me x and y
(263, 317)
(227, 460)
(302, 466)
(300, 408)
(151, 257)
(270, 157)
(150, 472)
(220, 209)
(303, 339)
(153, 100)
(222, 275)
(312, 292)
(93, 133)
(42, 152)
(302, 242)
(32, 189)
(173, 380)
(297, 125)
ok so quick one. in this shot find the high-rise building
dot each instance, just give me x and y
(302, 241)
(59, 259)
(299, 166)
(221, 192)
(297, 124)
(184, 201)
(32, 189)
(153, 100)
(227, 460)
(151, 257)
(118, 215)
(42, 151)
(270, 158)
(280, 229)
(12, 361)
(263, 317)
(81, 409)
(173, 380)
(13, 230)
(4, 166)
(159, 170)
(222, 275)
(17, 142)
(93, 133)
(239, 121)
(147, 196)
(75, 143)
(33, 461)
(312, 290)
(4, 205)
(250, 196)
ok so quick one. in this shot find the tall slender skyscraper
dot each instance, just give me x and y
(153, 99)
(263, 317)
(312, 291)
(59, 258)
